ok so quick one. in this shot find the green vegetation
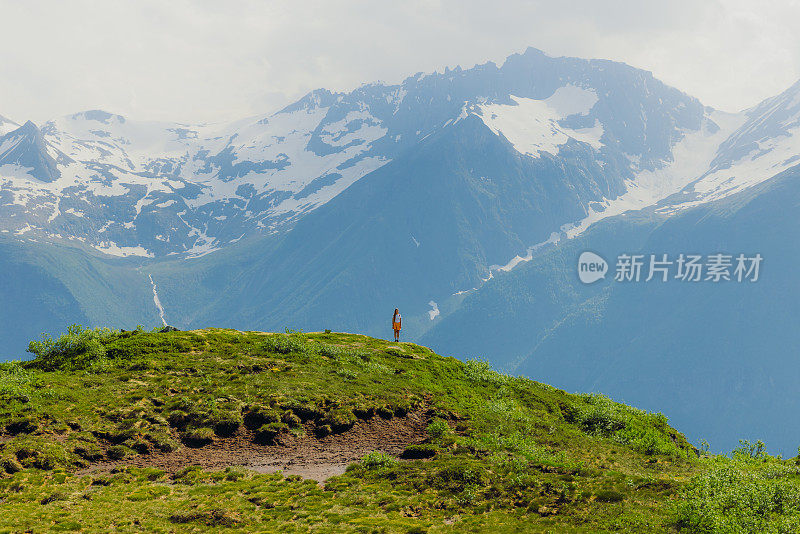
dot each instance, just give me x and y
(492, 452)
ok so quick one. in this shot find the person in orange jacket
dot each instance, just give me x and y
(397, 323)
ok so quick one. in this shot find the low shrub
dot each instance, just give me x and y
(385, 412)
(178, 419)
(437, 429)
(77, 349)
(162, 441)
(458, 477)
(741, 497)
(210, 518)
(368, 412)
(259, 416)
(269, 433)
(291, 419)
(53, 497)
(89, 451)
(348, 374)
(323, 430)
(11, 465)
(118, 452)
(378, 460)
(197, 437)
(22, 425)
(609, 495)
(306, 411)
(422, 451)
(225, 423)
(339, 420)
(480, 371)
(39, 452)
(122, 435)
(285, 344)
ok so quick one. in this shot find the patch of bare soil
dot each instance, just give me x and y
(307, 456)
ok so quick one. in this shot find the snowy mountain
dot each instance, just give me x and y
(24, 148)
(153, 189)
(766, 142)
(133, 188)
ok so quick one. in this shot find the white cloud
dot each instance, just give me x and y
(208, 61)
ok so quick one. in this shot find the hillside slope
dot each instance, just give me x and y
(184, 430)
(518, 450)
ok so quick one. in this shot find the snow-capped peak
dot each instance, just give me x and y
(766, 143)
(536, 126)
(25, 149)
(156, 188)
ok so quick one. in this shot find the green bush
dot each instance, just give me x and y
(438, 429)
(77, 349)
(527, 452)
(286, 344)
(602, 417)
(197, 437)
(225, 423)
(416, 452)
(748, 450)
(377, 460)
(645, 432)
(609, 495)
(15, 381)
(162, 441)
(458, 477)
(267, 434)
(291, 419)
(340, 420)
(259, 416)
(480, 371)
(741, 497)
(118, 452)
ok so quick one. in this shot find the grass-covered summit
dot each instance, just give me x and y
(173, 431)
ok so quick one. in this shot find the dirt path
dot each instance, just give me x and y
(307, 456)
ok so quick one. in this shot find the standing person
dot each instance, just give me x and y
(397, 323)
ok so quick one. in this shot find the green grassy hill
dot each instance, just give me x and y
(212, 429)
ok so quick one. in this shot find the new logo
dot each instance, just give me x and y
(591, 267)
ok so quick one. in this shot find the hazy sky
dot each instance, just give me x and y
(220, 60)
